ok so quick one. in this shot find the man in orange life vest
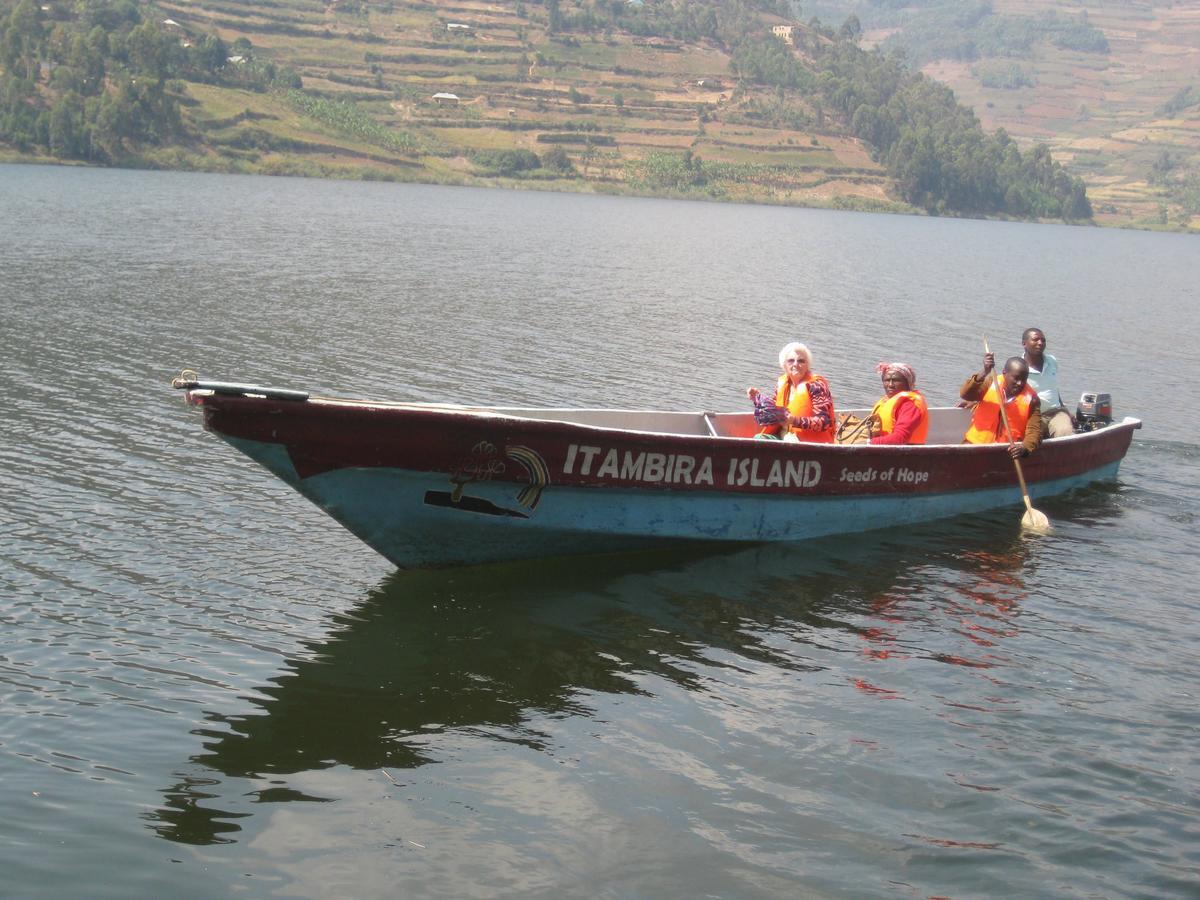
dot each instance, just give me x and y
(1021, 406)
(902, 415)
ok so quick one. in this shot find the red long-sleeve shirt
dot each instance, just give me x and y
(906, 419)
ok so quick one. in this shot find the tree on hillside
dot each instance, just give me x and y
(935, 148)
(21, 43)
(209, 55)
(95, 85)
(557, 160)
(149, 50)
(851, 29)
(69, 133)
(110, 15)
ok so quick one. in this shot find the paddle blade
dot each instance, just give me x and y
(1035, 520)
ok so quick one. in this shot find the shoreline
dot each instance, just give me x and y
(298, 168)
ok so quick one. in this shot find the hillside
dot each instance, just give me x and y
(680, 99)
(1117, 98)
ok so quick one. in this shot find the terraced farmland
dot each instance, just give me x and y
(440, 91)
(1108, 117)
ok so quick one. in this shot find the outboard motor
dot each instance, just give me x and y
(1094, 411)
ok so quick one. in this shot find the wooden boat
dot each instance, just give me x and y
(431, 485)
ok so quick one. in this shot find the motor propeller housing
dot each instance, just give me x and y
(1094, 411)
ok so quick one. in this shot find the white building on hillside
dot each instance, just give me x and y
(787, 32)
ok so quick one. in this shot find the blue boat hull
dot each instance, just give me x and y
(414, 519)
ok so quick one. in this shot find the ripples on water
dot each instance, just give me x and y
(209, 688)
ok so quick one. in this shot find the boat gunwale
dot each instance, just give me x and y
(511, 414)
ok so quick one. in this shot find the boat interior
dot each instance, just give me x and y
(946, 424)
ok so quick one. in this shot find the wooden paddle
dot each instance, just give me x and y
(1033, 518)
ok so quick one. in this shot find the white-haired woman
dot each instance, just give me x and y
(803, 407)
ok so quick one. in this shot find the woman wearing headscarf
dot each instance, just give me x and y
(803, 404)
(901, 416)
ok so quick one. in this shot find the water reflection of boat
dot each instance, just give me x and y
(436, 486)
(494, 651)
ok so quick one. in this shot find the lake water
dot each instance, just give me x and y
(208, 689)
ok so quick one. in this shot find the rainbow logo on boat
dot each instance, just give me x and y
(535, 467)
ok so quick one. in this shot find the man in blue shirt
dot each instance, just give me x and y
(1043, 378)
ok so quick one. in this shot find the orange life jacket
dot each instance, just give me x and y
(886, 410)
(799, 403)
(986, 424)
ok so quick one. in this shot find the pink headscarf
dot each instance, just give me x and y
(904, 370)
